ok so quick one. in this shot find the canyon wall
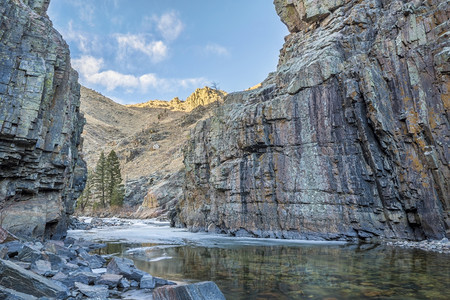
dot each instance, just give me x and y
(41, 173)
(348, 139)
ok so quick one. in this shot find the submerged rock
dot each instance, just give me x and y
(440, 246)
(206, 290)
(346, 140)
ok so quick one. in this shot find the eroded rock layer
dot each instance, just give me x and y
(347, 139)
(41, 174)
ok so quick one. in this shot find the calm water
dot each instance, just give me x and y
(248, 269)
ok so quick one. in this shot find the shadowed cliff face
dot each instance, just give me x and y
(347, 139)
(41, 174)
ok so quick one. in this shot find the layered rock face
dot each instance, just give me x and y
(41, 173)
(347, 139)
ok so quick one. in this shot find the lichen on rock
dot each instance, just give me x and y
(41, 172)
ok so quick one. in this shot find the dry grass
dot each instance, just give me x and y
(146, 139)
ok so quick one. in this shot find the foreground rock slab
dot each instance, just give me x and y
(206, 290)
(13, 276)
(10, 294)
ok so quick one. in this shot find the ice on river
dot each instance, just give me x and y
(155, 232)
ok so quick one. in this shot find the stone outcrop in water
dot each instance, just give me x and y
(347, 139)
(41, 174)
(196, 291)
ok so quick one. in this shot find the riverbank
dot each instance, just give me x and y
(67, 270)
(439, 246)
(255, 268)
(87, 223)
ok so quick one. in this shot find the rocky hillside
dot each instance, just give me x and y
(41, 174)
(148, 139)
(347, 139)
(200, 97)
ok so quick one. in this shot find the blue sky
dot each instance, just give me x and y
(138, 50)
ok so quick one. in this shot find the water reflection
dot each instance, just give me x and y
(300, 272)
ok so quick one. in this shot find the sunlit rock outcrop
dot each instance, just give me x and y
(41, 173)
(347, 139)
(200, 97)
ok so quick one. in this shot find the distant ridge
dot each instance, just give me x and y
(201, 96)
(148, 139)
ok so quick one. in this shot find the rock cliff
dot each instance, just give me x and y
(200, 97)
(347, 139)
(41, 173)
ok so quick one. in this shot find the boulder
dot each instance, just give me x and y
(98, 292)
(13, 276)
(111, 280)
(161, 282)
(29, 253)
(58, 262)
(41, 267)
(206, 290)
(79, 276)
(125, 267)
(13, 248)
(94, 261)
(124, 284)
(9, 294)
(60, 276)
(53, 246)
(147, 282)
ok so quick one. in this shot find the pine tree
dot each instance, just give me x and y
(115, 190)
(100, 179)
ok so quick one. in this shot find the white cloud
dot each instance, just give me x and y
(90, 73)
(86, 43)
(156, 50)
(112, 79)
(217, 49)
(86, 11)
(87, 65)
(169, 25)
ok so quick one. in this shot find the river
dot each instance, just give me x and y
(247, 268)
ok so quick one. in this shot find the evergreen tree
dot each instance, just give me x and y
(115, 190)
(100, 179)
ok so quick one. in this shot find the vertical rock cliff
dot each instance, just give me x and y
(41, 173)
(347, 139)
